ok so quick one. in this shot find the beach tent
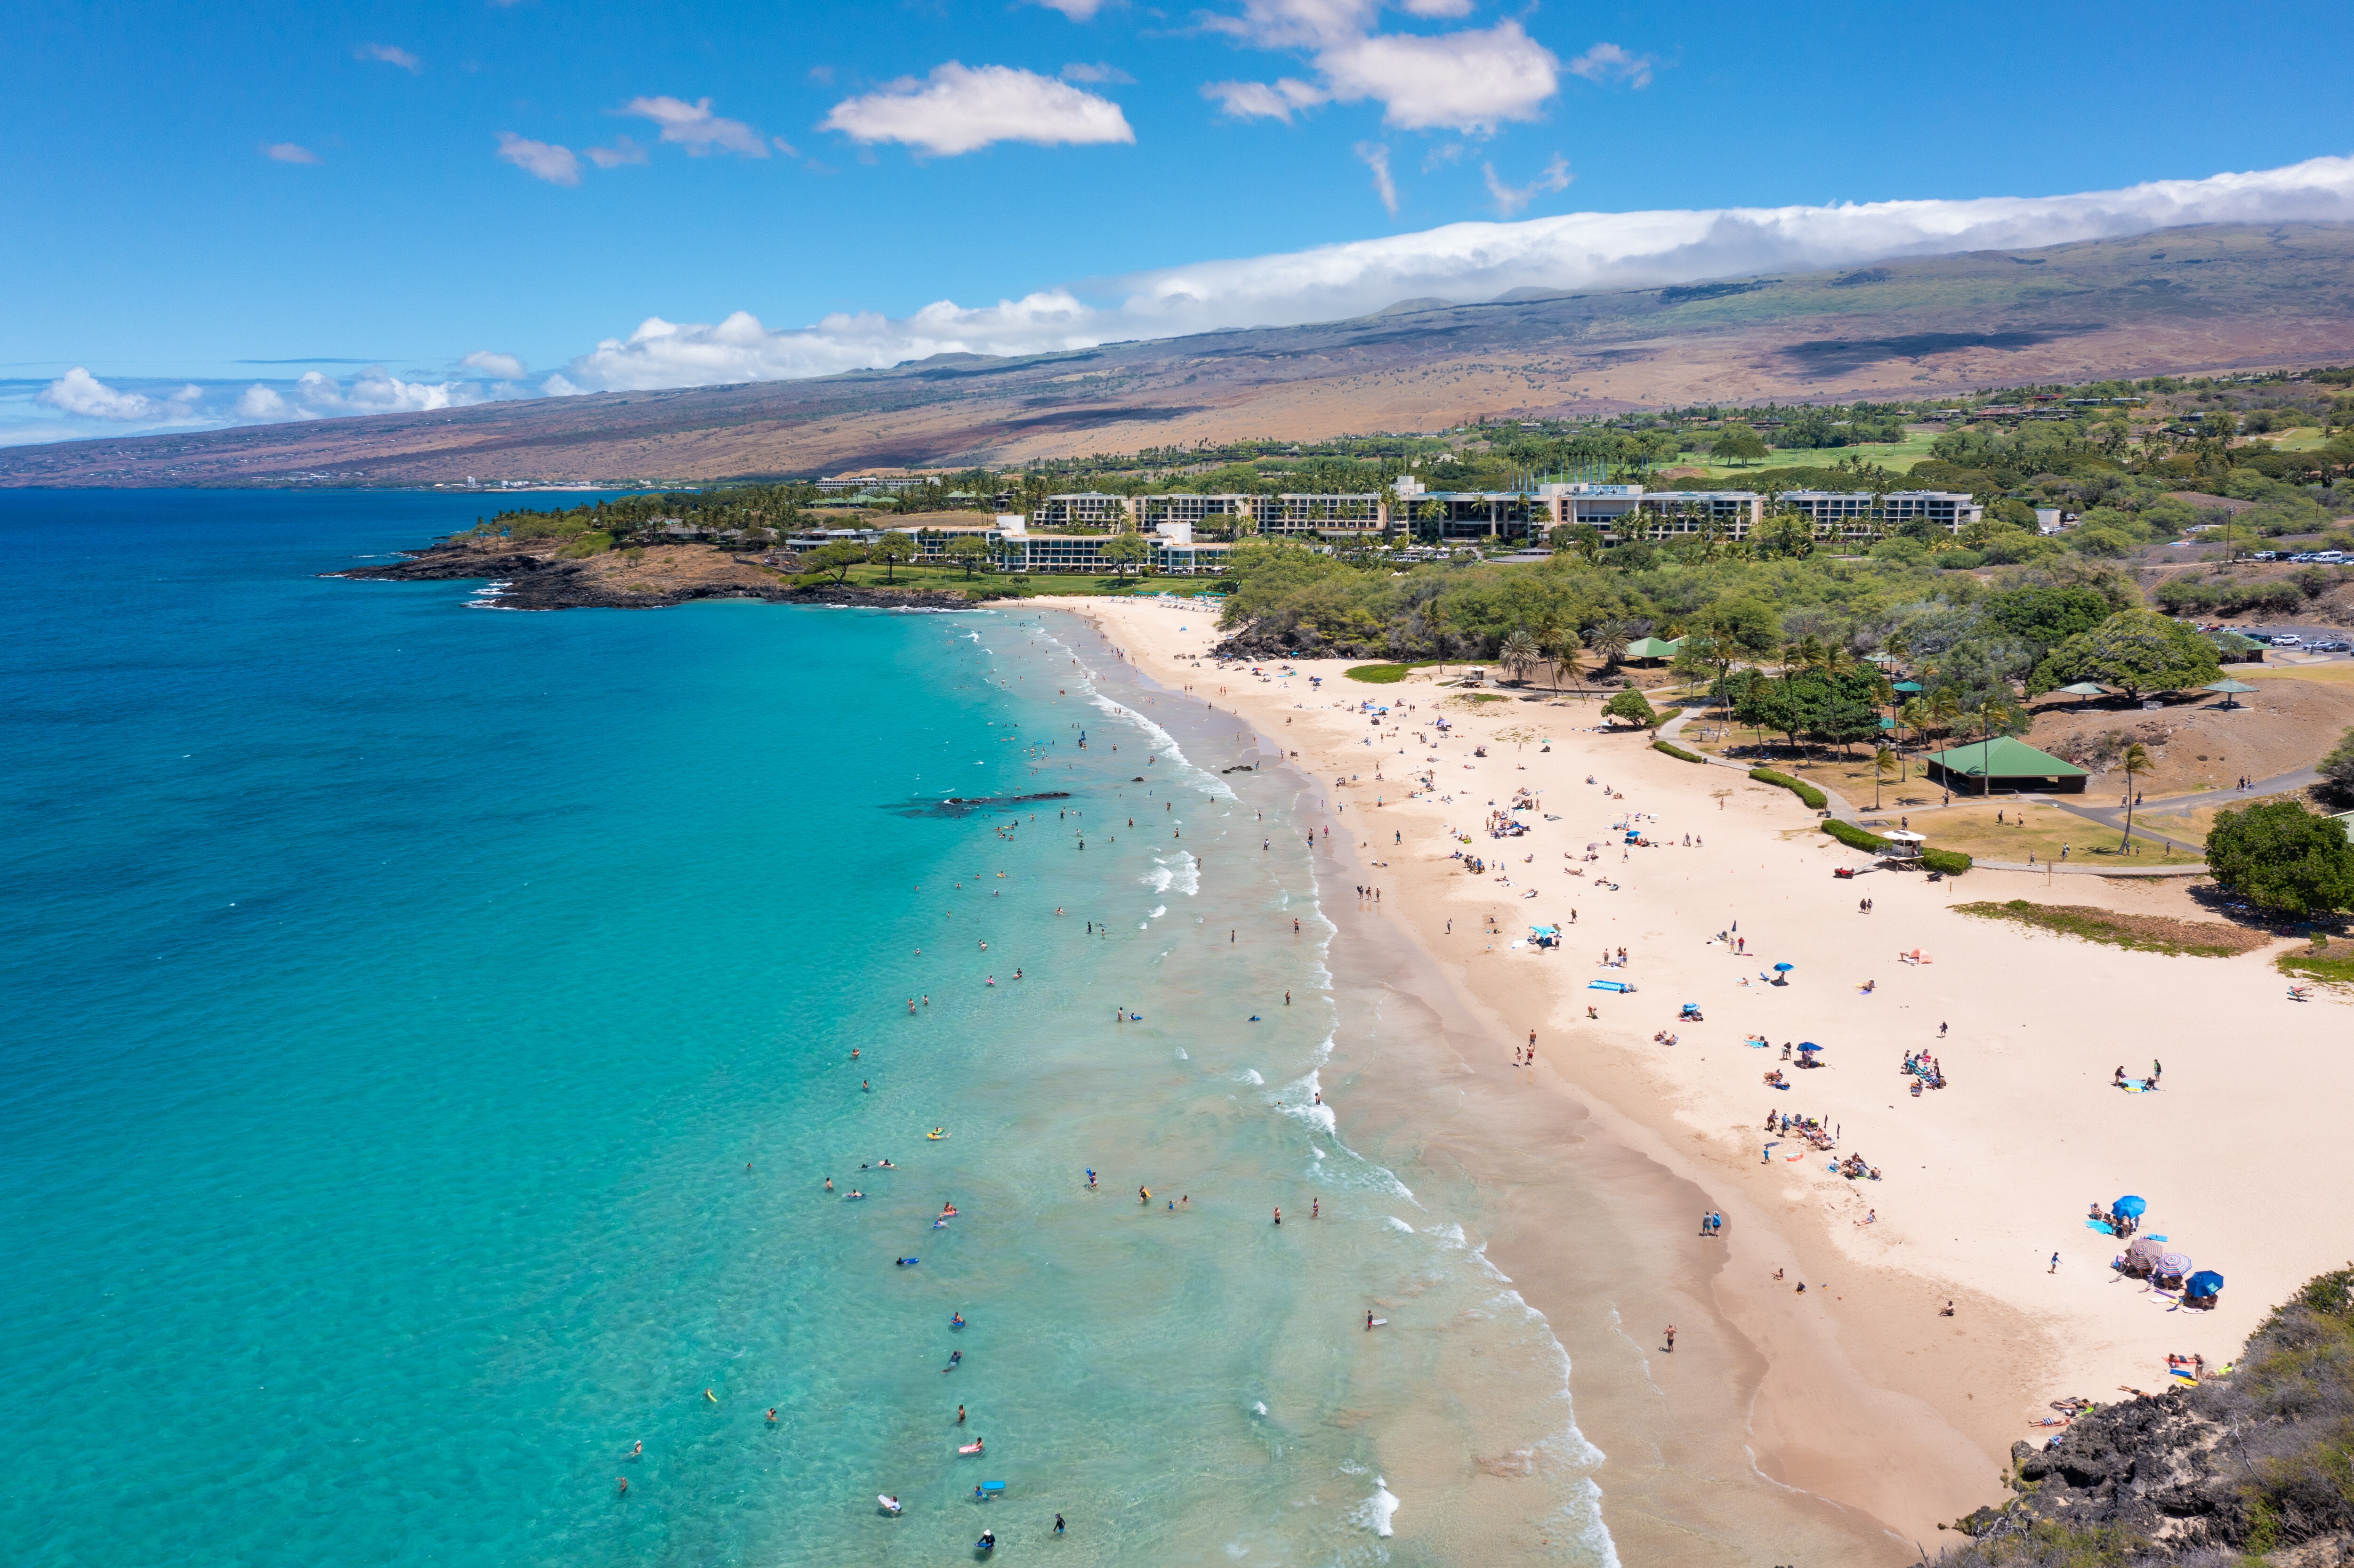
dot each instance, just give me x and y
(2202, 1286)
(2229, 688)
(2131, 1207)
(2012, 764)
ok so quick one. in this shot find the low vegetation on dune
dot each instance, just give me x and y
(2146, 933)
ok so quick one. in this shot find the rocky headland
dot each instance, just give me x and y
(653, 577)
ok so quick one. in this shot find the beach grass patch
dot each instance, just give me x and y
(2328, 959)
(2142, 933)
(1378, 675)
(1486, 698)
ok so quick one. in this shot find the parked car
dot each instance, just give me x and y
(2330, 558)
(2289, 639)
(2332, 646)
(2264, 555)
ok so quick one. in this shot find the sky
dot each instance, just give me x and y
(240, 212)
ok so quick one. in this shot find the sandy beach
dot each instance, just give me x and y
(1854, 1410)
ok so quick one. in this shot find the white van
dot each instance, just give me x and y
(2289, 639)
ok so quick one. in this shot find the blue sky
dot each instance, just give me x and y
(234, 194)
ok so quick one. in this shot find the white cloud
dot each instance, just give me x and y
(556, 385)
(1257, 100)
(1610, 62)
(1102, 71)
(962, 107)
(1436, 7)
(1376, 157)
(1462, 261)
(693, 127)
(289, 152)
(623, 150)
(1468, 81)
(1509, 199)
(80, 393)
(505, 367)
(1298, 24)
(545, 160)
(373, 391)
(259, 404)
(391, 55)
(1077, 10)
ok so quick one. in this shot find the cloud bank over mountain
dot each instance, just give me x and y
(1460, 261)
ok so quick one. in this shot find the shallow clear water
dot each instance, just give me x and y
(429, 1031)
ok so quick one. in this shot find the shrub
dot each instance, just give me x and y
(1852, 836)
(1677, 751)
(1805, 791)
(1958, 561)
(1630, 704)
(586, 545)
(1953, 862)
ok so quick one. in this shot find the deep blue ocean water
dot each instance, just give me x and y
(429, 1030)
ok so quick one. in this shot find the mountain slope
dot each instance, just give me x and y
(2182, 300)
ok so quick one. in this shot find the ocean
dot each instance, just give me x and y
(430, 1030)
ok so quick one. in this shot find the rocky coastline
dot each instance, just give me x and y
(654, 580)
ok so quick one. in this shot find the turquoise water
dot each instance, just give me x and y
(429, 1029)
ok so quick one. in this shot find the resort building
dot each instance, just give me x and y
(1170, 549)
(1084, 509)
(1861, 514)
(1325, 516)
(1229, 512)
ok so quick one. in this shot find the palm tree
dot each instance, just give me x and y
(1564, 647)
(1882, 760)
(1610, 642)
(2135, 763)
(1517, 652)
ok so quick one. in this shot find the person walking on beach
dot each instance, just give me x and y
(1672, 1338)
(2055, 1264)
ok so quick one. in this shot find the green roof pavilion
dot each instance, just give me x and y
(2229, 688)
(2008, 764)
(1652, 648)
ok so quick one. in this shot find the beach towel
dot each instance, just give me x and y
(2105, 1229)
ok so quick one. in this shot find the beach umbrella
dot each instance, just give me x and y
(2172, 1263)
(2206, 1282)
(1809, 1048)
(2131, 1207)
(1785, 967)
(1906, 686)
(2142, 1255)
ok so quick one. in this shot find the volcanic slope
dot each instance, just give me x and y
(2184, 300)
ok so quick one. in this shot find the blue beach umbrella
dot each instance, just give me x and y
(1808, 1045)
(2206, 1282)
(1785, 966)
(2132, 1208)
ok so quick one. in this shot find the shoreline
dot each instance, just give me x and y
(1865, 1394)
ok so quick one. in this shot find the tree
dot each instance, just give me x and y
(1124, 550)
(2135, 763)
(2283, 858)
(2137, 649)
(1884, 761)
(1566, 646)
(1790, 534)
(891, 549)
(968, 550)
(1738, 442)
(1610, 641)
(837, 558)
(1630, 704)
(1519, 653)
(2044, 618)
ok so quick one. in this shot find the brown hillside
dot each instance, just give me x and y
(2185, 301)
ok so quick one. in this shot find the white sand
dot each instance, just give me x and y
(1870, 1397)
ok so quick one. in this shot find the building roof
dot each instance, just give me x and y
(1652, 648)
(2009, 759)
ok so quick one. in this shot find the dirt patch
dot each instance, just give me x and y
(2146, 933)
(2286, 726)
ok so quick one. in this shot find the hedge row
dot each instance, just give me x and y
(1805, 791)
(1672, 749)
(1852, 836)
(1953, 862)
(1667, 715)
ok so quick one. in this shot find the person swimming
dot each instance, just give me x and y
(956, 1321)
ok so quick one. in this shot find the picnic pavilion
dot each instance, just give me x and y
(2004, 763)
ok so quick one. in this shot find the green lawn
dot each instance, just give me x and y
(1900, 457)
(1041, 584)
